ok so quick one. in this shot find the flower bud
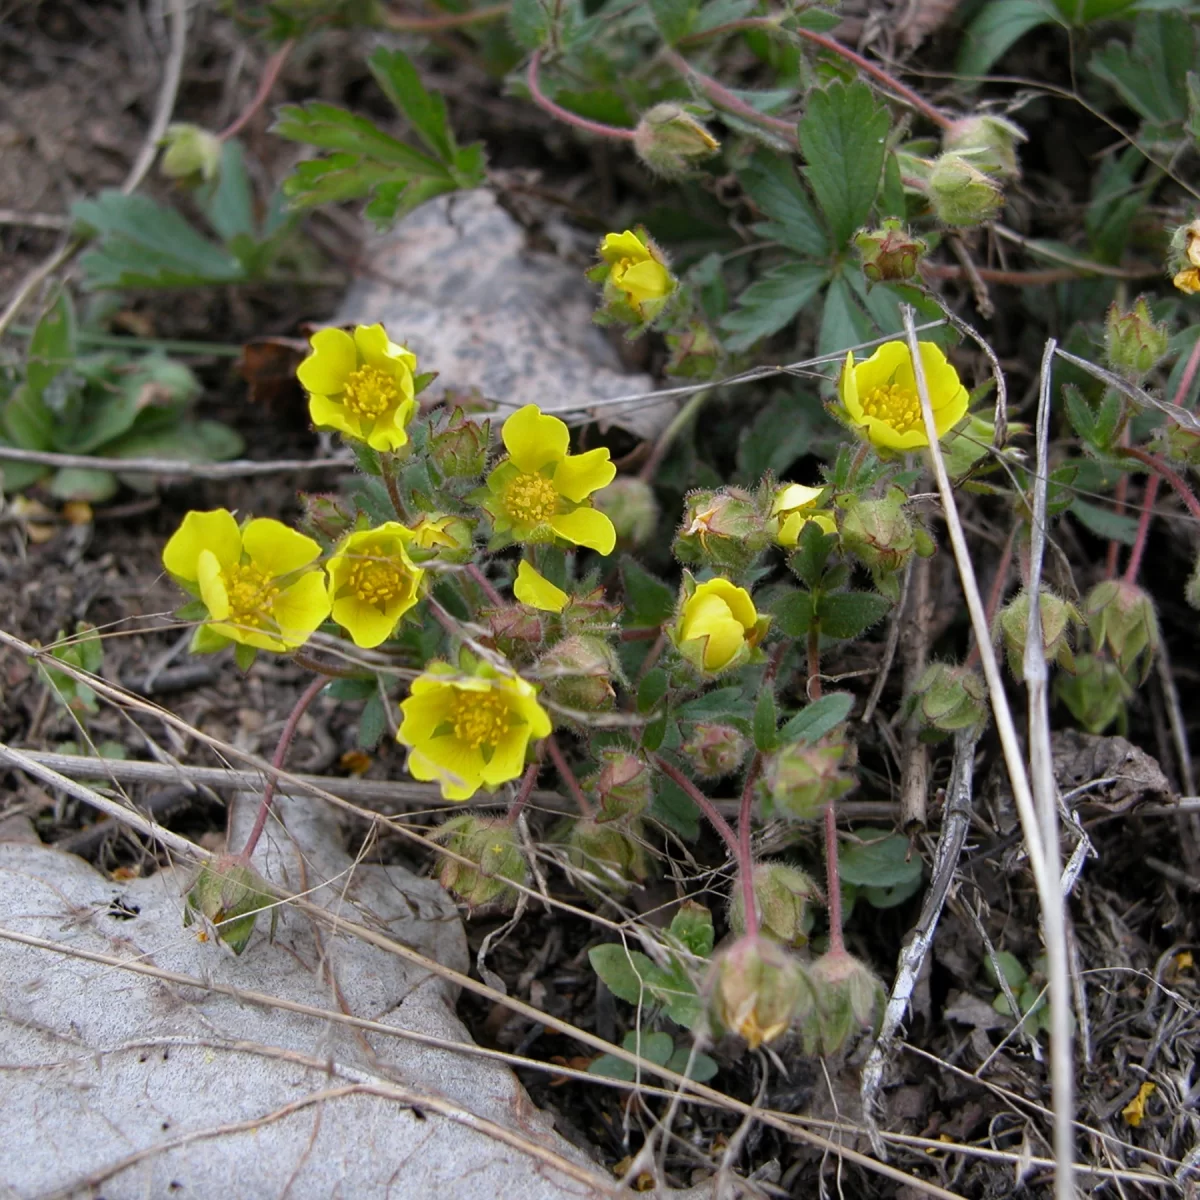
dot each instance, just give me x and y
(961, 194)
(460, 449)
(799, 780)
(715, 750)
(190, 154)
(758, 988)
(1012, 629)
(947, 698)
(695, 353)
(637, 280)
(490, 843)
(793, 505)
(989, 142)
(1134, 342)
(784, 895)
(890, 253)
(1096, 694)
(849, 997)
(1184, 257)
(724, 530)
(883, 537)
(1179, 443)
(670, 141)
(578, 673)
(1121, 616)
(716, 627)
(629, 503)
(442, 536)
(517, 632)
(229, 895)
(623, 787)
(325, 516)
(610, 854)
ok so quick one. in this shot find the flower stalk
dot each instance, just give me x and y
(612, 132)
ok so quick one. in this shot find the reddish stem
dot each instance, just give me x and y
(1157, 465)
(527, 782)
(833, 882)
(568, 777)
(710, 810)
(393, 489)
(547, 105)
(1147, 515)
(309, 694)
(745, 855)
(270, 76)
(724, 98)
(485, 583)
(1189, 374)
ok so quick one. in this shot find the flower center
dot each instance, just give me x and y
(377, 581)
(479, 719)
(897, 406)
(370, 391)
(530, 499)
(251, 595)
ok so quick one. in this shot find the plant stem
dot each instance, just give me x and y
(301, 659)
(1147, 515)
(393, 488)
(309, 694)
(706, 806)
(745, 855)
(527, 782)
(813, 687)
(724, 98)
(484, 582)
(401, 23)
(833, 882)
(568, 777)
(270, 77)
(1189, 374)
(547, 105)
(998, 586)
(1158, 466)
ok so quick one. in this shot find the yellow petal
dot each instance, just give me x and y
(212, 585)
(708, 617)
(1188, 280)
(533, 588)
(427, 706)
(216, 531)
(617, 246)
(329, 414)
(376, 349)
(299, 609)
(848, 390)
(736, 599)
(275, 549)
(508, 758)
(886, 365)
(333, 357)
(534, 440)
(579, 475)
(586, 527)
(366, 625)
(794, 495)
(645, 281)
(391, 434)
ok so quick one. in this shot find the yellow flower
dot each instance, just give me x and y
(533, 588)
(637, 273)
(540, 491)
(1188, 280)
(443, 536)
(372, 582)
(717, 626)
(794, 507)
(469, 731)
(253, 580)
(362, 386)
(880, 396)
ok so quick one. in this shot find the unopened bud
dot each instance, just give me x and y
(1096, 694)
(890, 253)
(723, 529)
(1121, 616)
(989, 142)
(1012, 628)
(442, 536)
(849, 998)
(1180, 443)
(882, 535)
(715, 750)
(460, 449)
(798, 781)
(962, 194)
(947, 698)
(190, 154)
(695, 353)
(623, 787)
(670, 141)
(495, 860)
(758, 989)
(229, 895)
(326, 515)
(517, 631)
(611, 855)
(629, 503)
(784, 895)
(578, 673)
(1135, 343)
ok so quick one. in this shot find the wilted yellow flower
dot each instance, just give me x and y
(717, 626)
(880, 396)
(793, 507)
(467, 731)
(533, 588)
(373, 582)
(362, 386)
(253, 581)
(541, 491)
(1188, 280)
(637, 273)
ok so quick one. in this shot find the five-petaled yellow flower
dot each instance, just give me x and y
(533, 588)
(467, 731)
(793, 507)
(362, 386)
(636, 273)
(880, 396)
(717, 625)
(373, 582)
(540, 491)
(258, 582)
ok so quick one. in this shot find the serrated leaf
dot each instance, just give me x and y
(229, 203)
(328, 127)
(794, 614)
(529, 22)
(1151, 74)
(693, 926)
(769, 303)
(843, 323)
(845, 615)
(843, 136)
(372, 723)
(997, 26)
(817, 719)
(765, 722)
(648, 601)
(811, 554)
(781, 433)
(425, 110)
(772, 184)
(1103, 522)
(883, 859)
(351, 689)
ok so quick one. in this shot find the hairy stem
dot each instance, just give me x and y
(484, 582)
(833, 882)
(1158, 466)
(302, 659)
(710, 810)
(270, 77)
(1147, 515)
(568, 777)
(547, 105)
(527, 782)
(387, 465)
(745, 856)
(722, 97)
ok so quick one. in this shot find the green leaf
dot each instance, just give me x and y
(674, 989)
(781, 433)
(529, 21)
(693, 926)
(674, 18)
(675, 809)
(890, 897)
(845, 615)
(1151, 74)
(794, 613)
(244, 656)
(624, 972)
(351, 689)
(609, 1066)
(27, 423)
(1103, 522)
(1015, 974)
(51, 346)
(652, 689)
(843, 136)
(843, 323)
(811, 554)
(372, 724)
(700, 1067)
(425, 110)
(229, 204)
(648, 601)
(817, 719)
(769, 303)
(765, 722)
(655, 1047)
(83, 483)
(999, 24)
(772, 184)
(713, 706)
(882, 860)
(328, 127)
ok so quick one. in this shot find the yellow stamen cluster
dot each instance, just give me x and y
(251, 593)
(376, 582)
(479, 719)
(530, 499)
(898, 406)
(370, 391)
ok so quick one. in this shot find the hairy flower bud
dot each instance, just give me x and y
(882, 535)
(725, 530)
(629, 504)
(799, 780)
(947, 698)
(190, 154)
(1121, 616)
(670, 141)
(1011, 627)
(714, 750)
(610, 854)
(890, 253)
(758, 988)
(1096, 694)
(443, 536)
(325, 515)
(716, 626)
(491, 846)
(516, 631)
(623, 787)
(1134, 342)
(460, 449)
(784, 895)
(849, 997)
(578, 673)
(962, 194)
(989, 142)
(229, 895)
